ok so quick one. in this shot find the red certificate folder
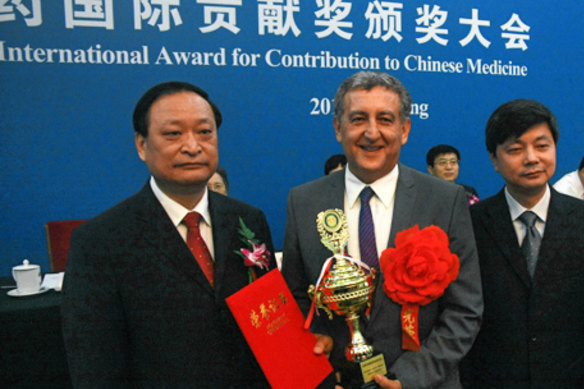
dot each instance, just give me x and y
(273, 324)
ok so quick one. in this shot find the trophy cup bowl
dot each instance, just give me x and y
(345, 290)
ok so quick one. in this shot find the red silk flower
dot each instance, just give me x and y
(416, 272)
(420, 267)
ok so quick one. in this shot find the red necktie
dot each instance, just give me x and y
(197, 244)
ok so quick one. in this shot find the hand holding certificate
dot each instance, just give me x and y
(272, 324)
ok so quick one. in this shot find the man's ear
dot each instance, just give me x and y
(141, 146)
(494, 161)
(337, 127)
(407, 126)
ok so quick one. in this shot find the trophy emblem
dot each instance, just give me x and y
(345, 290)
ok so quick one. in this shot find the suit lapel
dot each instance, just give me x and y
(336, 195)
(499, 225)
(230, 272)
(222, 234)
(405, 199)
(558, 220)
(403, 209)
(159, 233)
(331, 194)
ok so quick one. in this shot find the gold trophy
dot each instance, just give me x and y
(345, 289)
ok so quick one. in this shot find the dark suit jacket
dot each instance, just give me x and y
(447, 326)
(138, 310)
(533, 331)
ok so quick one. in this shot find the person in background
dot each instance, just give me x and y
(372, 123)
(144, 292)
(444, 162)
(218, 181)
(334, 163)
(572, 183)
(531, 254)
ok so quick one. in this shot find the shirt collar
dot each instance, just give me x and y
(540, 209)
(383, 187)
(176, 212)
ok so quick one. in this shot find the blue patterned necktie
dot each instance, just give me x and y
(367, 245)
(531, 242)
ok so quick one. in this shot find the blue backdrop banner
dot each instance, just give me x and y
(72, 70)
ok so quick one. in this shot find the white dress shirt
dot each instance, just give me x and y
(381, 209)
(540, 209)
(571, 185)
(176, 212)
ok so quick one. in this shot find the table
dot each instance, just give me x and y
(32, 352)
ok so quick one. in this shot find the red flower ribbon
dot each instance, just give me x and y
(417, 271)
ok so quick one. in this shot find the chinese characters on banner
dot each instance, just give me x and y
(384, 19)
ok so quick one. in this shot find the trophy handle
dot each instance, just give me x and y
(316, 296)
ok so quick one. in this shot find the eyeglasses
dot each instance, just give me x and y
(216, 186)
(446, 162)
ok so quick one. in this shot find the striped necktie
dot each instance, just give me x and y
(367, 245)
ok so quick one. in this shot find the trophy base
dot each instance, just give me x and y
(357, 375)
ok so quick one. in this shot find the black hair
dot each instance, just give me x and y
(223, 173)
(514, 118)
(334, 161)
(142, 109)
(437, 150)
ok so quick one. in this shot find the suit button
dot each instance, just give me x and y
(534, 339)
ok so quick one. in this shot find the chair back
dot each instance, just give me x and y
(58, 241)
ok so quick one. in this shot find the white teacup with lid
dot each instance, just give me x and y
(27, 277)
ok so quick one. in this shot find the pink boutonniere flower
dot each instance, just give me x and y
(256, 253)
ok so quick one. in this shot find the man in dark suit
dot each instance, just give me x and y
(371, 121)
(533, 275)
(139, 308)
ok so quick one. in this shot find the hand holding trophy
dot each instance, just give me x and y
(344, 288)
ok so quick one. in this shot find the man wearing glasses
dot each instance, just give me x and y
(444, 162)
